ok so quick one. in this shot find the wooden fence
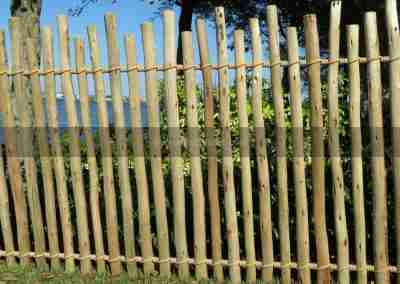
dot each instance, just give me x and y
(108, 206)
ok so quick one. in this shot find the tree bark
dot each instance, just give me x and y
(29, 13)
(185, 24)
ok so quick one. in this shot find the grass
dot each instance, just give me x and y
(18, 274)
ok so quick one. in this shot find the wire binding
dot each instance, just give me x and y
(323, 267)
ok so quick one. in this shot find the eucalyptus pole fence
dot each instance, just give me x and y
(242, 179)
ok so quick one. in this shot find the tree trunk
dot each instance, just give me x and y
(29, 13)
(185, 24)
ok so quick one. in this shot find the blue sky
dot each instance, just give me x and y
(130, 15)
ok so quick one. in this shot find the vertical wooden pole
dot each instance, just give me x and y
(377, 141)
(138, 151)
(106, 153)
(5, 221)
(39, 123)
(342, 239)
(302, 232)
(95, 188)
(212, 163)
(246, 182)
(25, 134)
(12, 164)
(229, 186)
(200, 248)
(281, 166)
(57, 153)
(317, 152)
(174, 141)
(392, 23)
(155, 147)
(262, 158)
(121, 140)
(74, 145)
(356, 152)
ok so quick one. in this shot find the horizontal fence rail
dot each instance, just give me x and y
(290, 176)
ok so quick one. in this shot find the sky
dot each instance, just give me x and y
(130, 15)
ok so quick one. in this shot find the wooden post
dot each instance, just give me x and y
(377, 141)
(13, 165)
(57, 151)
(342, 239)
(318, 159)
(174, 141)
(212, 163)
(139, 158)
(25, 134)
(262, 158)
(5, 221)
(39, 123)
(281, 165)
(356, 152)
(155, 147)
(74, 145)
(121, 140)
(245, 157)
(106, 153)
(200, 249)
(229, 186)
(302, 232)
(392, 23)
(95, 188)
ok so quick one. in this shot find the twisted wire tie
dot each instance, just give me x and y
(215, 263)
(4, 72)
(219, 67)
(293, 63)
(304, 266)
(17, 73)
(32, 72)
(132, 68)
(316, 61)
(115, 259)
(183, 261)
(235, 263)
(370, 60)
(168, 67)
(101, 257)
(342, 268)
(133, 259)
(11, 253)
(69, 256)
(57, 255)
(62, 72)
(268, 265)
(286, 265)
(332, 61)
(147, 260)
(84, 257)
(204, 66)
(50, 71)
(113, 69)
(39, 255)
(326, 266)
(162, 260)
(356, 60)
(189, 67)
(150, 68)
(80, 72)
(259, 64)
(272, 65)
(251, 264)
(200, 262)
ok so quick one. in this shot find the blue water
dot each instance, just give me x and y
(63, 116)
